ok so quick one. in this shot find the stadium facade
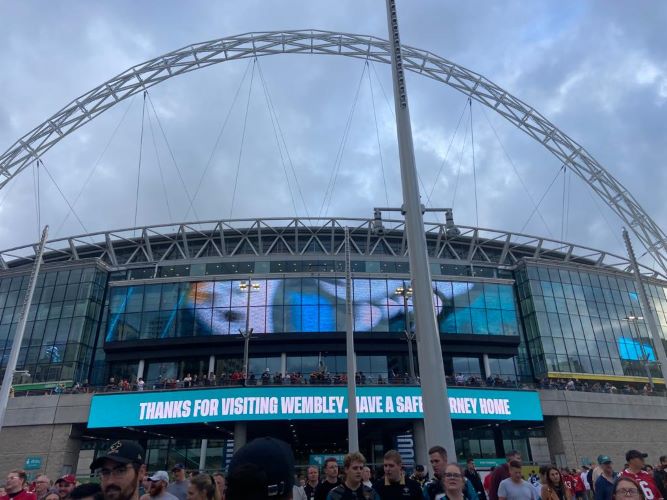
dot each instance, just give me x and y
(517, 316)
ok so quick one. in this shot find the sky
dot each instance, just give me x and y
(596, 69)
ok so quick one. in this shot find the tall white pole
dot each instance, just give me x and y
(20, 329)
(658, 345)
(437, 418)
(352, 423)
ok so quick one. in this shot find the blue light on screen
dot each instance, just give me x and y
(633, 350)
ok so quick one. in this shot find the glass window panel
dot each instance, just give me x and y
(461, 297)
(135, 299)
(169, 298)
(463, 321)
(479, 323)
(327, 318)
(495, 322)
(152, 297)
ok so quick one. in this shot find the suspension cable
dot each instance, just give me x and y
(219, 137)
(393, 114)
(159, 164)
(444, 161)
(275, 135)
(171, 154)
(562, 210)
(331, 185)
(516, 170)
(63, 195)
(474, 167)
(245, 123)
(96, 164)
(377, 136)
(458, 170)
(542, 199)
(141, 147)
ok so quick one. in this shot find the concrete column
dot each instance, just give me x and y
(140, 369)
(487, 365)
(202, 454)
(211, 364)
(240, 434)
(283, 363)
(421, 447)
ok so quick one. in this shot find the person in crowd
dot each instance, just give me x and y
(3, 492)
(660, 476)
(120, 470)
(635, 470)
(515, 487)
(219, 479)
(554, 487)
(298, 493)
(584, 480)
(157, 489)
(420, 475)
(87, 491)
(394, 484)
(313, 479)
(330, 481)
(453, 481)
(179, 486)
(626, 488)
(65, 485)
(487, 480)
(542, 479)
(501, 473)
(51, 495)
(203, 487)
(437, 456)
(475, 480)
(42, 486)
(604, 484)
(366, 476)
(579, 490)
(567, 479)
(263, 469)
(15, 486)
(352, 488)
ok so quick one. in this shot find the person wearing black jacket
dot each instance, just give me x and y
(395, 485)
(473, 476)
(660, 476)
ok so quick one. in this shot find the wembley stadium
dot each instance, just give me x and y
(194, 338)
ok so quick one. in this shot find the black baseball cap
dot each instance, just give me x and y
(123, 452)
(177, 467)
(634, 454)
(419, 468)
(260, 469)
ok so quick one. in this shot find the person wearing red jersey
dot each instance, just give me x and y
(15, 487)
(567, 480)
(578, 485)
(635, 470)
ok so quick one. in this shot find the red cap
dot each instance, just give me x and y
(69, 478)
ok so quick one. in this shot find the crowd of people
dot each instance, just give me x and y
(264, 469)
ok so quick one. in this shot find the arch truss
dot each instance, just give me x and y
(138, 78)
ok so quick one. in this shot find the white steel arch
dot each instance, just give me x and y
(145, 75)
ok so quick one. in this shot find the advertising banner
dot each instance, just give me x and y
(300, 403)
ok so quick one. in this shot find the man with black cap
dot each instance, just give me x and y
(120, 470)
(179, 486)
(635, 470)
(604, 484)
(262, 469)
(420, 475)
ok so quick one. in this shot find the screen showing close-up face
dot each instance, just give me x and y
(300, 305)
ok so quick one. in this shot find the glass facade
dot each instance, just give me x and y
(587, 322)
(62, 323)
(295, 305)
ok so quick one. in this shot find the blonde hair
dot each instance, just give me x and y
(206, 484)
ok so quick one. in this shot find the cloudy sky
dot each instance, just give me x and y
(598, 70)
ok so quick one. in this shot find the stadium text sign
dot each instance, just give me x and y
(299, 402)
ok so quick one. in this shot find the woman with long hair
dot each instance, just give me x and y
(554, 487)
(203, 487)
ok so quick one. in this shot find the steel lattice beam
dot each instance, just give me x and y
(143, 76)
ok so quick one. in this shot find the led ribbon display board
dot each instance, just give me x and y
(300, 403)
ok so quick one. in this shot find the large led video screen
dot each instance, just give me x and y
(300, 305)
